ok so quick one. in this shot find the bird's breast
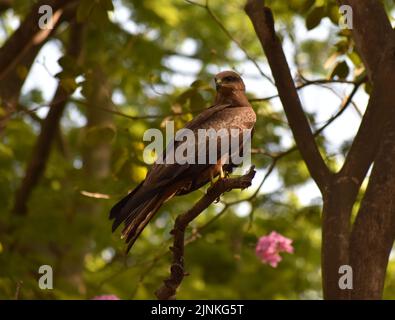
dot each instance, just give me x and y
(233, 117)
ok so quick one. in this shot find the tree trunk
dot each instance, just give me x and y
(366, 247)
(374, 228)
(97, 154)
(338, 203)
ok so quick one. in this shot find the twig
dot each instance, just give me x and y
(18, 289)
(263, 22)
(28, 35)
(276, 158)
(305, 84)
(230, 36)
(168, 289)
(343, 107)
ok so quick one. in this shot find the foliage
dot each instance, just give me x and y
(140, 59)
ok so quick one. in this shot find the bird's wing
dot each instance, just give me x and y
(165, 175)
(162, 174)
(205, 115)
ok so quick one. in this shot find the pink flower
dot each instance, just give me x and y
(269, 247)
(106, 297)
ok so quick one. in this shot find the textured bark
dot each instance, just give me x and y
(374, 228)
(372, 236)
(367, 246)
(343, 193)
(177, 272)
(336, 226)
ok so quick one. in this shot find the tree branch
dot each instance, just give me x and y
(375, 40)
(230, 36)
(168, 289)
(263, 22)
(373, 232)
(380, 106)
(376, 43)
(11, 86)
(306, 83)
(13, 80)
(41, 151)
(28, 34)
(371, 29)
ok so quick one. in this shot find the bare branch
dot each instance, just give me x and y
(343, 107)
(168, 289)
(11, 86)
(306, 83)
(263, 22)
(28, 34)
(12, 81)
(230, 36)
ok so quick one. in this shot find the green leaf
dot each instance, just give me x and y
(342, 46)
(5, 151)
(100, 134)
(99, 16)
(107, 5)
(198, 84)
(84, 9)
(87, 88)
(300, 5)
(314, 18)
(307, 4)
(355, 58)
(341, 70)
(69, 84)
(69, 65)
(368, 88)
(22, 71)
(332, 13)
(2, 111)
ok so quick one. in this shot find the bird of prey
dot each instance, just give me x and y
(231, 110)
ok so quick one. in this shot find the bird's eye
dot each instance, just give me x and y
(230, 79)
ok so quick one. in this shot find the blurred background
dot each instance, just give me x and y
(73, 111)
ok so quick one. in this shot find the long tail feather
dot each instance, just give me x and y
(116, 209)
(136, 210)
(131, 204)
(141, 222)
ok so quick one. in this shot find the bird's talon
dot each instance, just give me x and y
(222, 174)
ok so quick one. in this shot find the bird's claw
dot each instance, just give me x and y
(222, 173)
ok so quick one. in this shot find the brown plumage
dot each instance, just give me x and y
(231, 109)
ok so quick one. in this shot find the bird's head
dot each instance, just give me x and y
(229, 81)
